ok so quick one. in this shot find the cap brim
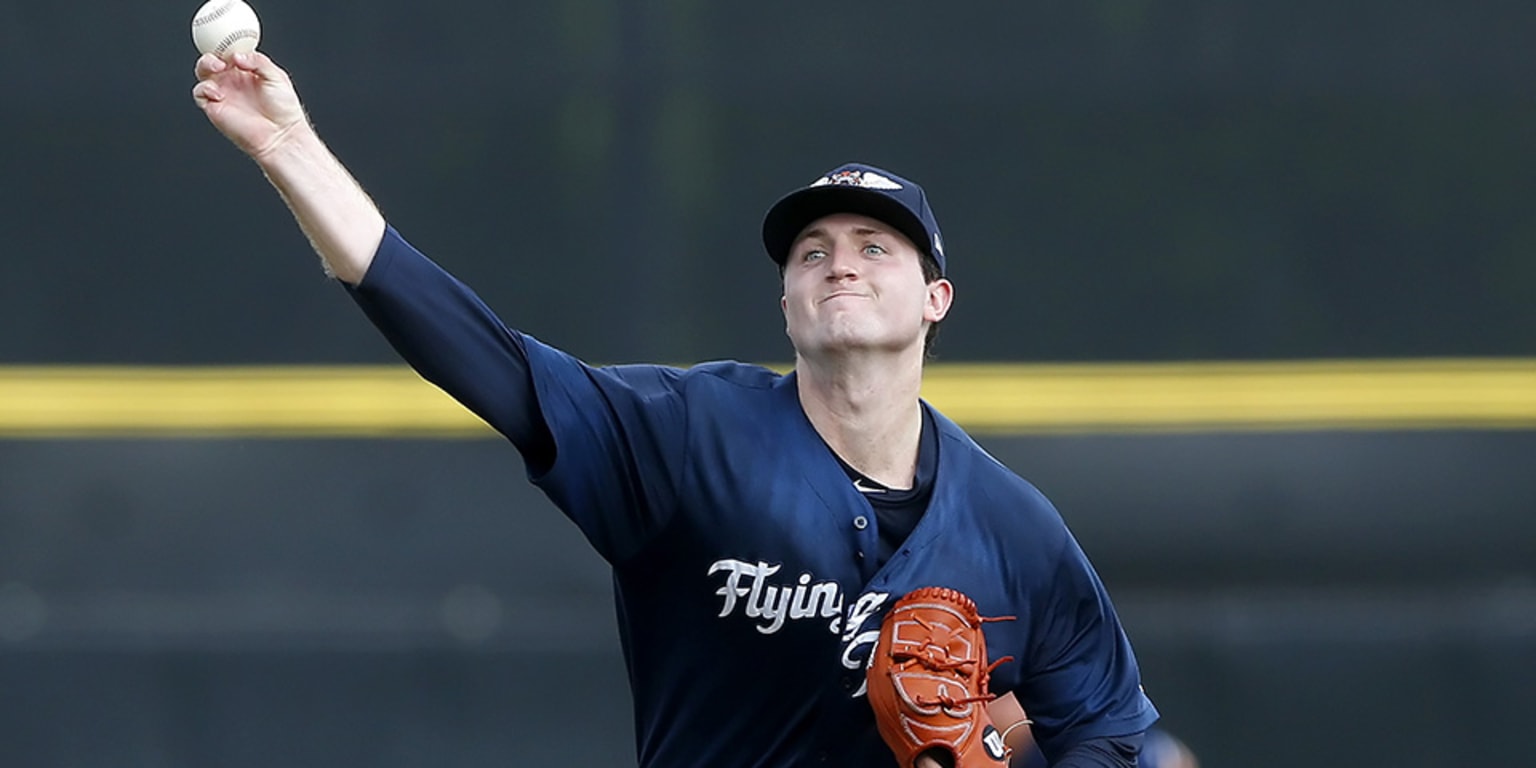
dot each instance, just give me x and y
(797, 210)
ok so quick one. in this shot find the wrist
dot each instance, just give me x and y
(291, 143)
(1012, 723)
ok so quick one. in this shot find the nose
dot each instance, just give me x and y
(841, 263)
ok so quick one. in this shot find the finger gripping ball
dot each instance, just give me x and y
(224, 27)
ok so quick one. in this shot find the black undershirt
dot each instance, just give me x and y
(897, 511)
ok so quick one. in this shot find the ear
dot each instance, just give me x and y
(941, 294)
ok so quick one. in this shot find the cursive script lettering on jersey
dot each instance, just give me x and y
(747, 585)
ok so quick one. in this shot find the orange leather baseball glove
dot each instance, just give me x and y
(928, 682)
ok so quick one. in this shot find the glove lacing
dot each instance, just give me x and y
(936, 656)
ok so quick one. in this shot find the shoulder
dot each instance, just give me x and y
(993, 485)
(550, 362)
(715, 374)
(731, 373)
(990, 475)
(704, 384)
(715, 393)
(727, 395)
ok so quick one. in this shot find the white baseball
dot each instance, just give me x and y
(223, 27)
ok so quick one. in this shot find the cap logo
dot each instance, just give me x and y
(938, 245)
(852, 178)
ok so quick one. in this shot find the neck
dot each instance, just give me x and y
(867, 411)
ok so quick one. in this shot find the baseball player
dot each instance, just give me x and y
(758, 525)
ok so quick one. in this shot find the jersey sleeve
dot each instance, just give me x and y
(444, 331)
(1084, 681)
(603, 443)
(620, 437)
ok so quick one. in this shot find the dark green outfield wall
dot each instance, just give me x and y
(378, 602)
(1117, 180)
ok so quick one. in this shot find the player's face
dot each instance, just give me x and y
(854, 283)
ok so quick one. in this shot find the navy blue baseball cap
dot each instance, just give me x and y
(861, 189)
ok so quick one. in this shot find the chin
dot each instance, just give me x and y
(848, 337)
(851, 345)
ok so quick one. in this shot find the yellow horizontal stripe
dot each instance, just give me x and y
(354, 401)
(379, 401)
(1270, 396)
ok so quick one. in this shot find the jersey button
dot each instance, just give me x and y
(861, 522)
(847, 684)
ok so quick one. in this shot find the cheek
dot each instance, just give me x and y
(916, 301)
(792, 305)
(795, 295)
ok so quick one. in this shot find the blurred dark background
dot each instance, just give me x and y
(1117, 180)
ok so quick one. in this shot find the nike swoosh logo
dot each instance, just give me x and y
(858, 485)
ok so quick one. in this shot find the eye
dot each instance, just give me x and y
(874, 249)
(814, 254)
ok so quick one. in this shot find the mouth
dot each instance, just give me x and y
(842, 295)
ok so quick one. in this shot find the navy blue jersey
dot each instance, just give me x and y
(744, 560)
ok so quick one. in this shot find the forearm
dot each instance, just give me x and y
(340, 220)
